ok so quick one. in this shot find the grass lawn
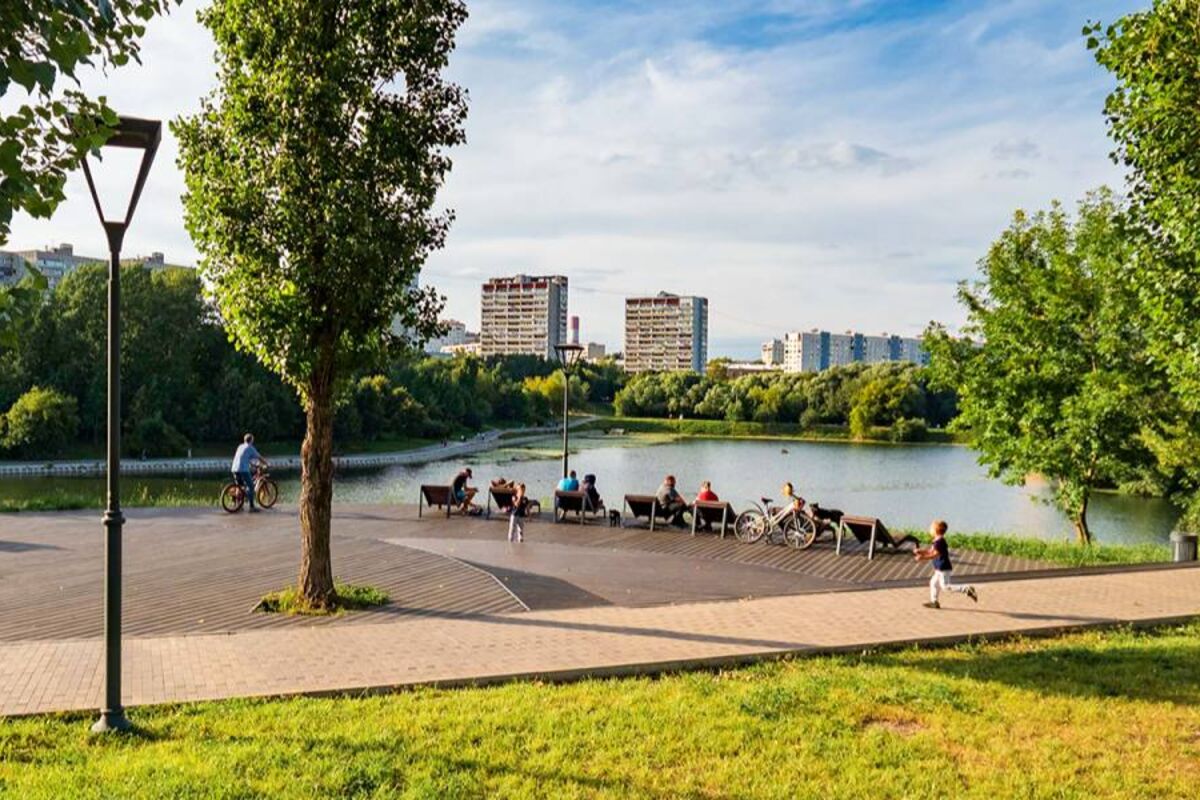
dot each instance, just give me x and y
(1113, 714)
(1070, 554)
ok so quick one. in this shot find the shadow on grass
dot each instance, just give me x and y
(1162, 671)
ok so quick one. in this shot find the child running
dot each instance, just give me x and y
(939, 553)
(516, 518)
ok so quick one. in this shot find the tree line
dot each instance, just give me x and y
(897, 397)
(185, 384)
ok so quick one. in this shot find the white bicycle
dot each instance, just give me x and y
(775, 526)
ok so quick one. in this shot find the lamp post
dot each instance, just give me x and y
(144, 135)
(567, 354)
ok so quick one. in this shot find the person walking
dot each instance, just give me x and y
(939, 553)
(517, 514)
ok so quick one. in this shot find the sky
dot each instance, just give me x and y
(834, 164)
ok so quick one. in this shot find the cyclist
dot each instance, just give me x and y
(243, 461)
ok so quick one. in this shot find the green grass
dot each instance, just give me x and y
(1062, 553)
(349, 598)
(723, 429)
(1091, 715)
(67, 500)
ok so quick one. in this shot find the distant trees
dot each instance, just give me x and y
(866, 397)
(1057, 380)
(40, 424)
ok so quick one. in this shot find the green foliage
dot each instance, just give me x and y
(155, 438)
(908, 429)
(1059, 384)
(40, 423)
(312, 172)
(864, 397)
(546, 392)
(1154, 55)
(18, 305)
(43, 139)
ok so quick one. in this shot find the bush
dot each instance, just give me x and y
(908, 429)
(156, 438)
(41, 423)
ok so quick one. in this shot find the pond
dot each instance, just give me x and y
(906, 486)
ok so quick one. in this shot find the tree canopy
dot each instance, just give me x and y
(1054, 379)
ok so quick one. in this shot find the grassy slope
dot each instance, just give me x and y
(1064, 553)
(1113, 714)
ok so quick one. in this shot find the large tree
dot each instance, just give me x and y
(312, 172)
(43, 138)
(1154, 118)
(1053, 378)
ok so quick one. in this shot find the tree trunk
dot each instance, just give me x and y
(1082, 533)
(315, 582)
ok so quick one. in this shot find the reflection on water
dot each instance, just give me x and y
(907, 486)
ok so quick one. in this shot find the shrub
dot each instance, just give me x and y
(155, 437)
(40, 423)
(908, 429)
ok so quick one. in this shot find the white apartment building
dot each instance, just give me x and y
(666, 333)
(456, 334)
(876, 349)
(523, 315)
(813, 351)
(772, 353)
(56, 262)
(802, 351)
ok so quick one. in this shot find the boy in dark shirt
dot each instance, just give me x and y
(517, 514)
(939, 553)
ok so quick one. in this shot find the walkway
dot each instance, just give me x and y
(39, 676)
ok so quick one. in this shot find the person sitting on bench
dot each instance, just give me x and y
(706, 495)
(463, 494)
(569, 483)
(670, 503)
(595, 504)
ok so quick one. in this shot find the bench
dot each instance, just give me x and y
(645, 506)
(870, 531)
(436, 497)
(573, 501)
(712, 512)
(503, 495)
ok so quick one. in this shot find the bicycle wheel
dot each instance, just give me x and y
(266, 491)
(232, 498)
(750, 526)
(799, 532)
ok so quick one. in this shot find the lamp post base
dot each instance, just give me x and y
(112, 720)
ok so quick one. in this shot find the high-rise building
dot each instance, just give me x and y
(523, 315)
(772, 353)
(813, 351)
(666, 333)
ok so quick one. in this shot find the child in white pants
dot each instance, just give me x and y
(939, 553)
(516, 518)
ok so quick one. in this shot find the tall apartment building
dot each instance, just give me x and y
(523, 315)
(56, 262)
(772, 353)
(666, 333)
(813, 351)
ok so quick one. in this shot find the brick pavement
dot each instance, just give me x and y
(40, 676)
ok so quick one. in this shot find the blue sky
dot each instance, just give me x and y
(803, 163)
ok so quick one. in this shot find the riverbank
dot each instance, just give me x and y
(724, 429)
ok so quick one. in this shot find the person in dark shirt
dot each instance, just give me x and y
(671, 503)
(939, 553)
(463, 494)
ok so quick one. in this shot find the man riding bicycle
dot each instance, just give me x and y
(243, 461)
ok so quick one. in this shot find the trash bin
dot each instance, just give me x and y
(1183, 546)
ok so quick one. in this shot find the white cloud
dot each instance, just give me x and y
(629, 149)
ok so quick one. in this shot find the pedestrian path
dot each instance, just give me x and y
(41, 676)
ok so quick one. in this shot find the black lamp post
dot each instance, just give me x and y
(144, 135)
(567, 354)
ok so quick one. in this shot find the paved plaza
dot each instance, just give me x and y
(469, 607)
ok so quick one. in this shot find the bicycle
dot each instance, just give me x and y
(266, 492)
(781, 526)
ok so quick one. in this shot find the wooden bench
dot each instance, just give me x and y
(870, 531)
(436, 497)
(711, 512)
(503, 495)
(573, 501)
(645, 506)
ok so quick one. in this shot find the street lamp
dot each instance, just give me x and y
(144, 135)
(567, 354)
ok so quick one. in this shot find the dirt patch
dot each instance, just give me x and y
(902, 727)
